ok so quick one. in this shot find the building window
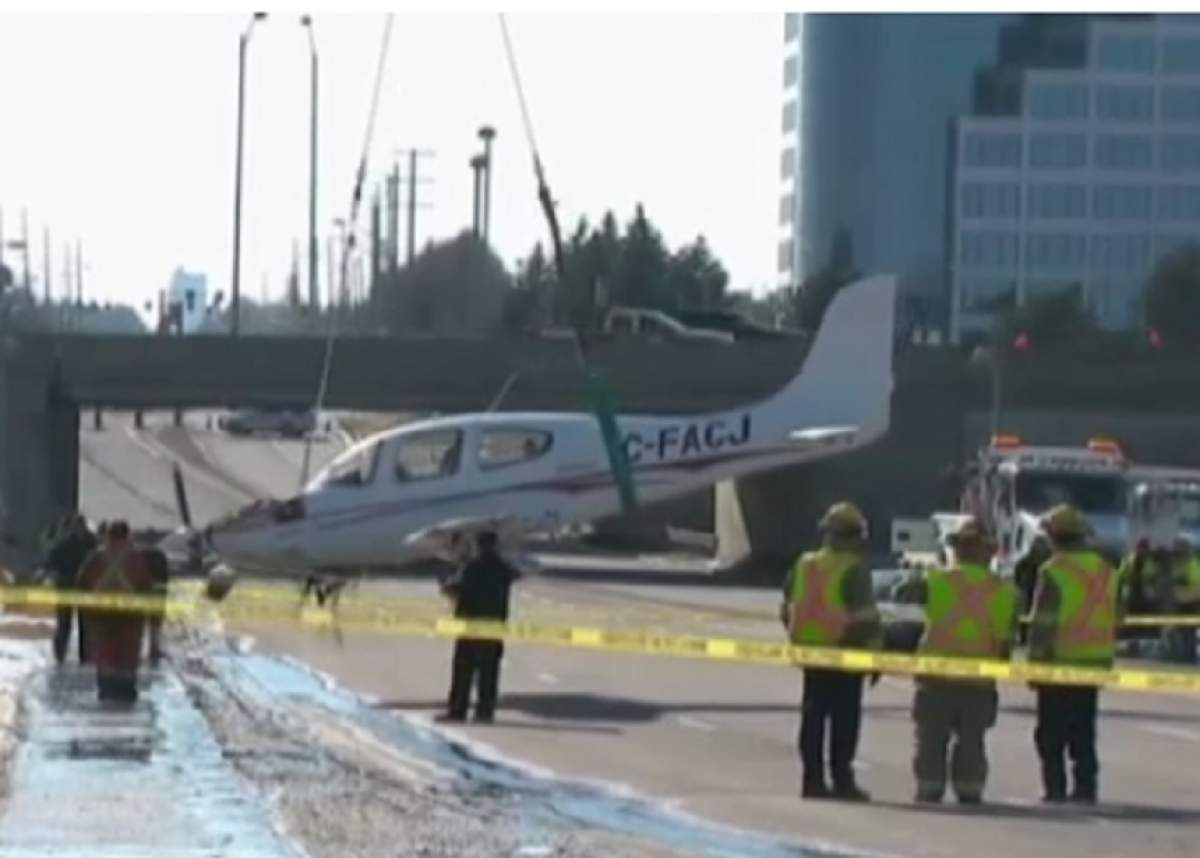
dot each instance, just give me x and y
(787, 206)
(1179, 202)
(787, 163)
(1181, 55)
(791, 26)
(789, 72)
(1123, 151)
(1168, 243)
(990, 199)
(1180, 103)
(1118, 202)
(789, 116)
(1120, 253)
(982, 249)
(1054, 251)
(987, 294)
(992, 149)
(1057, 201)
(1057, 150)
(1179, 152)
(785, 256)
(1058, 100)
(1127, 53)
(1125, 103)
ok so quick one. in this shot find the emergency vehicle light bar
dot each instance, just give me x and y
(1106, 446)
(1006, 441)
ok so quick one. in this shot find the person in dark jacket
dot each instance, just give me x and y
(66, 556)
(160, 573)
(481, 591)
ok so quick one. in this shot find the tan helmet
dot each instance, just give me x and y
(1065, 520)
(844, 519)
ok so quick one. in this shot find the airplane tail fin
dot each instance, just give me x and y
(846, 379)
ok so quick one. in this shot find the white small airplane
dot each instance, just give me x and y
(423, 489)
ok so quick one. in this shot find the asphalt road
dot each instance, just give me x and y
(716, 740)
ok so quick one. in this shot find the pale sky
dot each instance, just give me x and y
(119, 130)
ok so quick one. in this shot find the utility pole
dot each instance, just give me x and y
(486, 133)
(330, 270)
(477, 163)
(25, 250)
(376, 245)
(46, 290)
(314, 295)
(393, 218)
(79, 272)
(413, 205)
(236, 284)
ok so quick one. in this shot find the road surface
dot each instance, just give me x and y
(714, 740)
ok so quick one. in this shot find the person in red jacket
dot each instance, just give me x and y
(116, 568)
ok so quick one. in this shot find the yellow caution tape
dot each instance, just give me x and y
(381, 619)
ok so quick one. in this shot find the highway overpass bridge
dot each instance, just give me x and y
(45, 380)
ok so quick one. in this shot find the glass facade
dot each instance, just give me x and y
(787, 163)
(1180, 103)
(1181, 55)
(1121, 254)
(1126, 103)
(1057, 149)
(1179, 202)
(989, 249)
(1179, 152)
(1126, 53)
(992, 149)
(1058, 101)
(1054, 251)
(790, 74)
(789, 116)
(990, 200)
(1049, 201)
(787, 208)
(1122, 202)
(1124, 151)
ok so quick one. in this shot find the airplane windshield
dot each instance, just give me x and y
(355, 467)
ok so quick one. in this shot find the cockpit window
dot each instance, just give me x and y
(500, 448)
(353, 468)
(429, 455)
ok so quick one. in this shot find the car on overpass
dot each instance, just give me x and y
(289, 422)
(740, 326)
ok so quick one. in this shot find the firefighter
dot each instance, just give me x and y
(481, 591)
(1136, 576)
(1025, 577)
(1184, 598)
(159, 571)
(64, 560)
(116, 568)
(969, 612)
(1074, 622)
(828, 601)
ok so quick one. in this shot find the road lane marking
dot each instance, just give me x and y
(547, 678)
(696, 724)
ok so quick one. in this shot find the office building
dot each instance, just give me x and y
(868, 103)
(1080, 164)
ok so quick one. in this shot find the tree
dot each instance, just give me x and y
(1051, 319)
(1172, 296)
(456, 286)
(695, 277)
(641, 271)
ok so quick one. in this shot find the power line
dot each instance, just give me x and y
(355, 203)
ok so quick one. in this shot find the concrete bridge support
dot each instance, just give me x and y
(39, 455)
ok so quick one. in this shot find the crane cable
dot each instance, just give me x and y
(602, 400)
(348, 239)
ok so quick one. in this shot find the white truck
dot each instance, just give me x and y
(1012, 484)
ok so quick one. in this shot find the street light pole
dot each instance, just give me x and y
(236, 284)
(314, 297)
(486, 134)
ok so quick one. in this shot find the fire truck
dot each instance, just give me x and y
(1012, 484)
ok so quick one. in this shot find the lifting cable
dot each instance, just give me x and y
(348, 240)
(602, 400)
